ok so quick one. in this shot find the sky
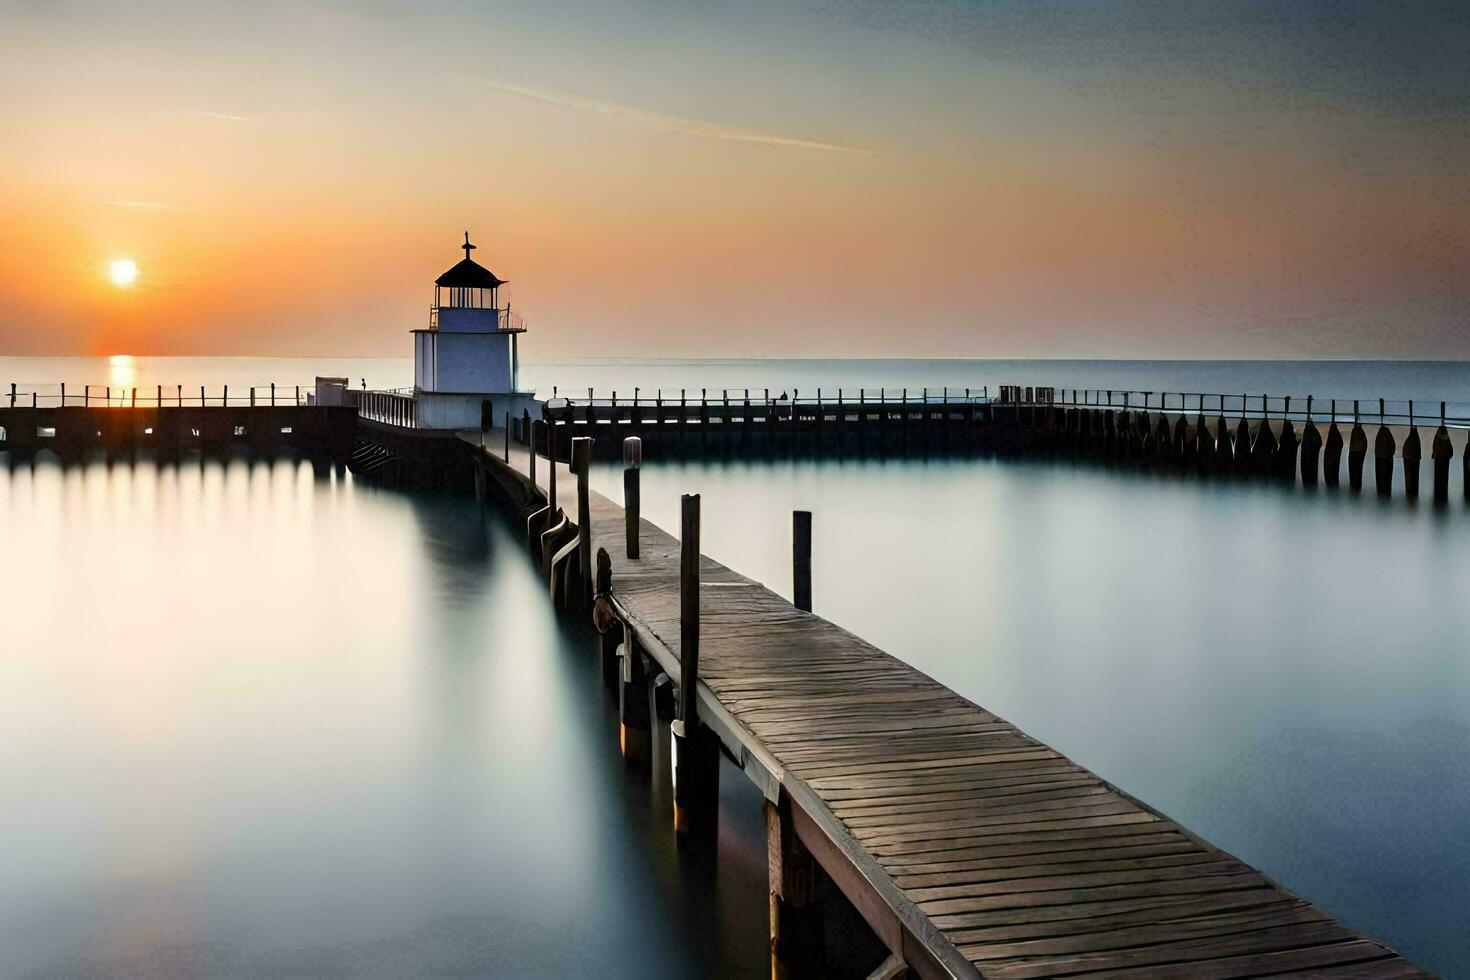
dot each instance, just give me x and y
(801, 178)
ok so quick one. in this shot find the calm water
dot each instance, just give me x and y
(267, 723)
(1286, 673)
(259, 724)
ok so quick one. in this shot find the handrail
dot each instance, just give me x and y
(154, 396)
(1297, 408)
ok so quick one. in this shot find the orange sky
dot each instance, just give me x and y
(659, 181)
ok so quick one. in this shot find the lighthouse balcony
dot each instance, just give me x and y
(471, 319)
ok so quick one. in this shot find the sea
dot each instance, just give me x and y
(261, 721)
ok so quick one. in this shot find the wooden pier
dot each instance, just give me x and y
(970, 848)
(167, 432)
(1208, 435)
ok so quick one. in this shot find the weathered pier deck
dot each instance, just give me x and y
(971, 848)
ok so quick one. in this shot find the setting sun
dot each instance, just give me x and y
(123, 272)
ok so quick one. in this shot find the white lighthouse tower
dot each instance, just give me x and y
(469, 352)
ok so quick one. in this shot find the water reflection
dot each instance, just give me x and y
(1269, 666)
(263, 721)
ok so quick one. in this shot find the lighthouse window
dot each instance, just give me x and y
(3, 437)
(285, 430)
(239, 430)
(46, 432)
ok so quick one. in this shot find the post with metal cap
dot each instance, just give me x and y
(581, 466)
(801, 559)
(695, 752)
(632, 460)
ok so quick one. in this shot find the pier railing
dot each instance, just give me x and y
(151, 396)
(393, 406)
(1297, 408)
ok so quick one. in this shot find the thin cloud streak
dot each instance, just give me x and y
(222, 116)
(147, 205)
(690, 127)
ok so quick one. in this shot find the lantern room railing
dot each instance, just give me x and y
(505, 320)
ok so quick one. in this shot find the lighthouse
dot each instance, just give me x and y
(469, 353)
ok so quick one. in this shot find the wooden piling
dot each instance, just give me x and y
(1384, 446)
(1264, 449)
(1413, 453)
(1332, 451)
(1286, 446)
(1442, 452)
(694, 748)
(1242, 439)
(635, 722)
(1204, 443)
(1357, 450)
(1226, 456)
(581, 466)
(801, 559)
(1311, 448)
(797, 940)
(632, 498)
(1181, 433)
(531, 436)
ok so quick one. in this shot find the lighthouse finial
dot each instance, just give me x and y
(467, 246)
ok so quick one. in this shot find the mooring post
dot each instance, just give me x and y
(1227, 456)
(551, 465)
(1442, 451)
(1264, 449)
(1413, 453)
(797, 940)
(531, 437)
(1332, 451)
(1384, 446)
(801, 559)
(1286, 446)
(1357, 450)
(581, 466)
(694, 749)
(1311, 446)
(604, 617)
(632, 500)
(1204, 444)
(487, 419)
(507, 437)
(635, 719)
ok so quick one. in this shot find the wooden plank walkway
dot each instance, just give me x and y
(994, 853)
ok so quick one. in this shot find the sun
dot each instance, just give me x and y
(123, 272)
